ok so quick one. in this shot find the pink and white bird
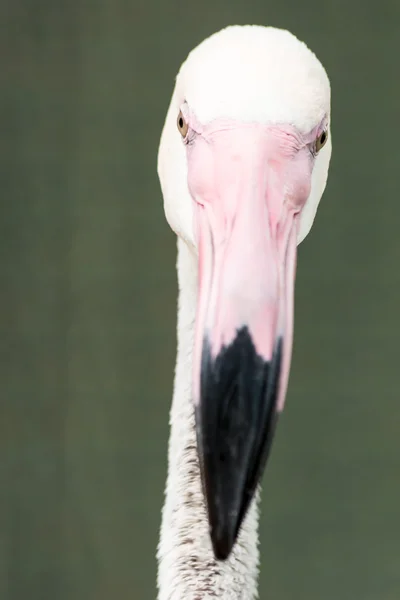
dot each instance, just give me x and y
(243, 163)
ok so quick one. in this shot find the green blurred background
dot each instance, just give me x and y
(88, 305)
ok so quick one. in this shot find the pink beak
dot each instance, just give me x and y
(248, 184)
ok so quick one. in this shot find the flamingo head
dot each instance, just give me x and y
(243, 163)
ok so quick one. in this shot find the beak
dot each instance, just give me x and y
(246, 236)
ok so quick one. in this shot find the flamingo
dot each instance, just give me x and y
(243, 162)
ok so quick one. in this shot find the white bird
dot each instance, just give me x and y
(243, 162)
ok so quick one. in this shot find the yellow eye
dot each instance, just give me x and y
(182, 125)
(321, 141)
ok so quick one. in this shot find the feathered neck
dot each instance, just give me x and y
(187, 569)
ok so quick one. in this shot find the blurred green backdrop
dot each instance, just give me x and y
(88, 297)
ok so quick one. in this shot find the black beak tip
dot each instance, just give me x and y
(222, 543)
(235, 422)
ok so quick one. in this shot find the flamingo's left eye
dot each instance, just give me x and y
(321, 140)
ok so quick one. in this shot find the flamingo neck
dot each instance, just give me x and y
(187, 569)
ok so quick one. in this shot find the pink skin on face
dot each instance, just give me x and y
(249, 183)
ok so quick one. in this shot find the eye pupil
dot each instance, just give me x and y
(323, 137)
(181, 122)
